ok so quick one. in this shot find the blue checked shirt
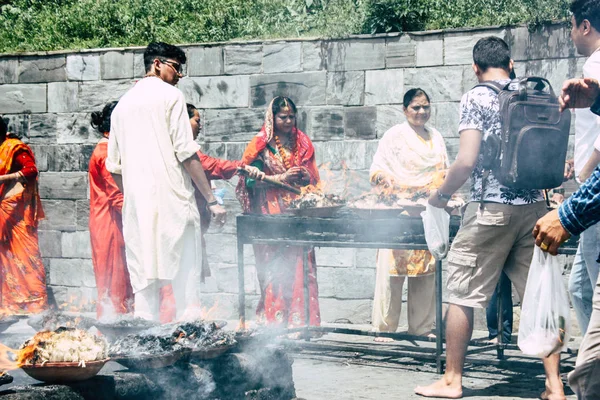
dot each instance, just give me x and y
(582, 209)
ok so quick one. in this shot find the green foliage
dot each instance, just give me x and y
(33, 25)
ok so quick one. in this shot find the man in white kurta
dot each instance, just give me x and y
(150, 141)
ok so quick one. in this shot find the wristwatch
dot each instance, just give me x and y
(595, 108)
(443, 196)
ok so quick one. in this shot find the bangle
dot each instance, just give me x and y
(213, 203)
(443, 196)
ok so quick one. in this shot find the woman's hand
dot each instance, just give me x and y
(254, 172)
(295, 176)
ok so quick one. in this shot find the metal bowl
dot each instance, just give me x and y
(154, 361)
(114, 331)
(318, 212)
(64, 372)
(210, 353)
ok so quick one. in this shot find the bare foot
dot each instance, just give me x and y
(441, 389)
(383, 339)
(493, 341)
(554, 391)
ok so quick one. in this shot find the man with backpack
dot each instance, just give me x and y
(495, 234)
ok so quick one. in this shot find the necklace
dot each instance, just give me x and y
(286, 157)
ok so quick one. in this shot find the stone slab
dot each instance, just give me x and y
(346, 55)
(42, 69)
(329, 155)
(235, 125)
(388, 116)
(23, 98)
(93, 96)
(518, 41)
(384, 87)
(400, 52)
(344, 284)
(9, 68)
(75, 128)
(446, 118)
(82, 214)
(76, 245)
(314, 56)
(42, 128)
(354, 154)
(458, 47)
(139, 69)
(366, 258)
(441, 83)
(359, 122)
(469, 79)
(63, 185)
(550, 41)
(50, 243)
(83, 67)
(66, 157)
(245, 59)
(63, 97)
(18, 124)
(326, 123)
(217, 92)
(556, 71)
(75, 298)
(60, 214)
(117, 65)
(346, 88)
(305, 89)
(221, 248)
(430, 50)
(227, 278)
(334, 257)
(72, 272)
(205, 61)
(282, 57)
(41, 154)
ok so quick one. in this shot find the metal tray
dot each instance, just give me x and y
(319, 212)
(63, 372)
(376, 213)
(154, 361)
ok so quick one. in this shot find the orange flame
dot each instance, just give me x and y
(6, 361)
(27, 353)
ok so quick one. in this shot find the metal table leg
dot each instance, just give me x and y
(305, 251)
(439, 321)
(241, 285)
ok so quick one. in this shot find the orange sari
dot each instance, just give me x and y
(23, 287)
(279, 268)
(106, 235)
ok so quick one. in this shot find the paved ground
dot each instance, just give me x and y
(328, 369)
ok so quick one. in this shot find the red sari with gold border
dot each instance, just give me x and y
(23, 287)
(279, 268)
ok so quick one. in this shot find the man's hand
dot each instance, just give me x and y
(254, 172)
(579, 93)
(569, 170)
(219, 214)
(435, 200)
(549, 234)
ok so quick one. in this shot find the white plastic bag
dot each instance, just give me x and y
(545, 312)
(436, 222)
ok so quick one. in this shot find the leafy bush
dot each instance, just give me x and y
(32, 25)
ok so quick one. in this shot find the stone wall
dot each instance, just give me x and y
(349, 92)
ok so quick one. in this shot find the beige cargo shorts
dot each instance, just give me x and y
(495, 238)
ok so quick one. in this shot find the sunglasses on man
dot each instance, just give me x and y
(175, 65)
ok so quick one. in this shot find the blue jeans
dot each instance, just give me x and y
(584, 275)
(491, 312)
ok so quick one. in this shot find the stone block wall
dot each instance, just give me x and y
(349, 92)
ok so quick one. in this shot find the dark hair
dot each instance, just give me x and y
(3, 129)
(101, 120)
(491, 52)
(586, 9)
(281, 102)
(411, 94)
(190, 109)
(162, 50)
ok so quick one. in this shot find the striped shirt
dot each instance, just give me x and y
(582, 209)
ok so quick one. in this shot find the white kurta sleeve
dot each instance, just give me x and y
(180, 130)
(113, 159)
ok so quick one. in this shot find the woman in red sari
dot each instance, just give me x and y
(23, 287)
(285, 153)
(115, 294)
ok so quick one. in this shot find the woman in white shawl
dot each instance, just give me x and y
(410, 158)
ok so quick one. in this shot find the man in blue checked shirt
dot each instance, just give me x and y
(575, 215)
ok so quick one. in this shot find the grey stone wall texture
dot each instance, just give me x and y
(349, 92)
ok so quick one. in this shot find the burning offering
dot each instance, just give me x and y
(63, 355)
(51, 320)
(313, 202)
(147, 351)
(204, 338)
(122, 325)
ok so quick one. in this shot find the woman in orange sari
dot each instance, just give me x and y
(285, 153)
(115, 294)
(23, 288)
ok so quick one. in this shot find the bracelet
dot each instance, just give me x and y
(443, 196)
(213, 203)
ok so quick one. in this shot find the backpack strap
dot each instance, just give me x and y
(493, 85)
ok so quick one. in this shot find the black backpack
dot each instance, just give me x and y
(532, 149)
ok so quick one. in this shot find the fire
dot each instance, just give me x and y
(28, 351)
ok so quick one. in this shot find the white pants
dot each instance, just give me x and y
(186, 285)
